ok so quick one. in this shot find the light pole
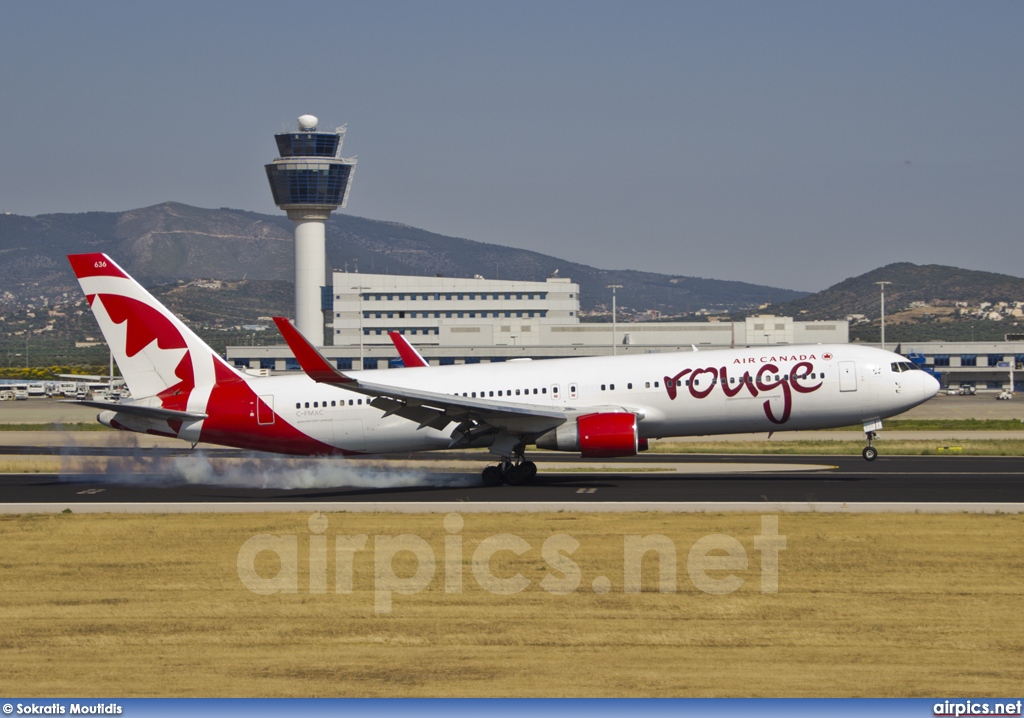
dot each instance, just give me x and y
(362, 363)
(613, 287)
(882, 287)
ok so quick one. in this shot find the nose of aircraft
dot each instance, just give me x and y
(929, 387)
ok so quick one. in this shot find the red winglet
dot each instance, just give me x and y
(316, 366)
(95, 264)
(410, 357)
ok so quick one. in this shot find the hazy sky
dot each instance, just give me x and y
(784, 143)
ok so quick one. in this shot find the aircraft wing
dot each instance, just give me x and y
(427, 408)
(410, 357)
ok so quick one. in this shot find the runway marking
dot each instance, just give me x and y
(416, 507)
(586, 491)
(91, 491)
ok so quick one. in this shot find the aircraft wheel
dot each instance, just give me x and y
(491, 476)
(516, 475)
(870, 453)
(531, 470)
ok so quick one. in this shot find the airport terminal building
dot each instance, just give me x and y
(472, 320)
(982, 365)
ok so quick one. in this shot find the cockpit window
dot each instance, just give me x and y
(902, 366)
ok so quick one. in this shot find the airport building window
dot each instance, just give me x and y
(994, 359)
(968, 360)
(942, 360)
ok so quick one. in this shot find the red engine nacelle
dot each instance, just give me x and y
(597, 436)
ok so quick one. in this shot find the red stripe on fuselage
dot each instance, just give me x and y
(232, 421)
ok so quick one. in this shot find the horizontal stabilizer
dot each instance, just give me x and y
(150, 412)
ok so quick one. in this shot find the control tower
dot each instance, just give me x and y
(309, 181)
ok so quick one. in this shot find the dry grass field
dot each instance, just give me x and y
(867, 605)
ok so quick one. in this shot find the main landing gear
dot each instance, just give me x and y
(870, 453)
(510, 471)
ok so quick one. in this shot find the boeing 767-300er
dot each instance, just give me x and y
(597, 406)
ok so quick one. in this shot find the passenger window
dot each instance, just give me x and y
(517, 392)
(611, 387)
(629, 385)
(298, 405)
(603, 387)
(544, 390)
(655, 385)
(307, 404)
(332, 402)
(647, 385)
(315, 405)
(499, 392)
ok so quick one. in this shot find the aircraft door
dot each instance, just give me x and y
(847, 376)
(265, 410)
(554, 392)
(572, 391)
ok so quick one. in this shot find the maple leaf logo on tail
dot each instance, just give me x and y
(157, 354)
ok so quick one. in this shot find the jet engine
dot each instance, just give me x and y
(597, 436)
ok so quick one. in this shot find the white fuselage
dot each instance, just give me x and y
(769, 389)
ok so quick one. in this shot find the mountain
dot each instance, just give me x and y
(922, 302)
(170, 242)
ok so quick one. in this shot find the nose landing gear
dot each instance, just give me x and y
(870, 453)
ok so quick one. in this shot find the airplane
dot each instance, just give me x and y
(600, 407)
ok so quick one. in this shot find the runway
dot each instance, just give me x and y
(649, 479)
